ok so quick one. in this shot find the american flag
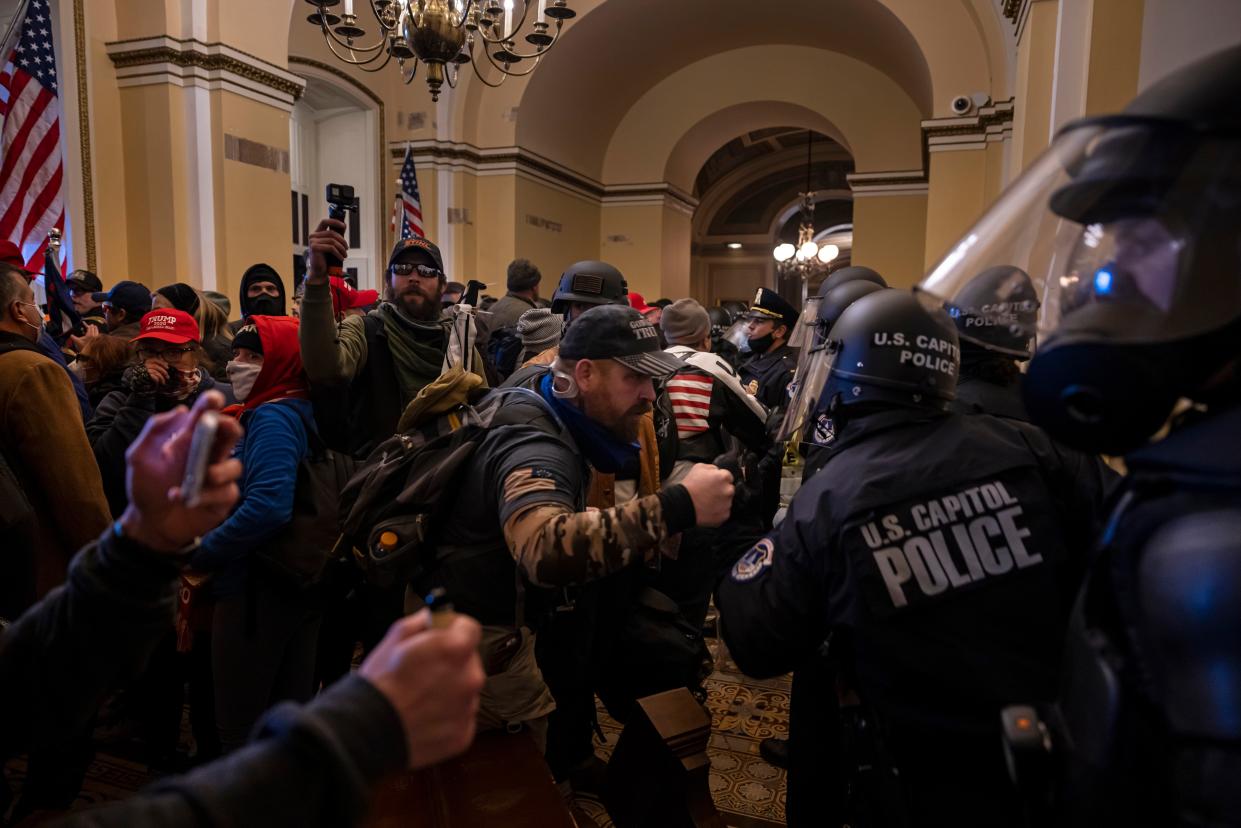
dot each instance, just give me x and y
(408, 208)
(690, 394)
(31, 172)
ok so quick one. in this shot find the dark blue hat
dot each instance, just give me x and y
(132, 297)
(770, 305)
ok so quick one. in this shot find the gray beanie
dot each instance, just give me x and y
(685, 322)
(539, 329)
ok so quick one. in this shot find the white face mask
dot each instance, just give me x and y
(242, 375)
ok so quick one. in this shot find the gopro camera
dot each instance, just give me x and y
(340, 202)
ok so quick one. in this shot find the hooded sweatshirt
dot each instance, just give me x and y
(278, 421)
(259, 273)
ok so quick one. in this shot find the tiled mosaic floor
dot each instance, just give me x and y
(748, 792)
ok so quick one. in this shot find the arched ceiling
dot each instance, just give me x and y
(869, 113)
(619, 49)
(752, 146)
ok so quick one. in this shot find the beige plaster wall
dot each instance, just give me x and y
(889, 235)
(252, 203)
(956, 196)
(639, 256)
(1036, 56)
(551, 250)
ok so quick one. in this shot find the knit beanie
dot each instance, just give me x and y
(685, 322)
(248, 337)
(182, 296)
(539, 329)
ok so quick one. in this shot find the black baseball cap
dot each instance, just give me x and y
(84, 280)
(425, 247)
(131, 297)
(622, 334)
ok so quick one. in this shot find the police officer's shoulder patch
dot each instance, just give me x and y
(750, 565)
(824, 430)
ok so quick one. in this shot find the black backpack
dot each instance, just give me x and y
(298, 554)
(503, 351)
(391, 509)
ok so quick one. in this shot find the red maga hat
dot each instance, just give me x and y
(174, 326)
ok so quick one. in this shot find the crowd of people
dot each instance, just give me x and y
(430, 513)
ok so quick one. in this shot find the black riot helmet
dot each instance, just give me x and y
(590, 283)
(814, 364)
(833, 303)
(720, 318)
(997, 310)
(853, 273)
(896, 347)
(1129, 227)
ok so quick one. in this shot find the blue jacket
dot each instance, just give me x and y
(275, 441)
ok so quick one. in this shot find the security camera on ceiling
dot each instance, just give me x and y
(962, 105)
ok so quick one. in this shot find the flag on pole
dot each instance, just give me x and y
(409, 202)
(31, 171)
(63, 317)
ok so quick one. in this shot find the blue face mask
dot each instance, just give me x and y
(605, 451)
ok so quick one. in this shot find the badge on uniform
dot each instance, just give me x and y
(750, 565)
(752, 388)
(824, 430)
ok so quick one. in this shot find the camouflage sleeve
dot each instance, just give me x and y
(556, 546)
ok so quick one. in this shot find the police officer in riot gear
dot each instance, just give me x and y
(721, 321)
(937, 555)
(769, 370)
(995, 313)
(1139, 217)
(807, 422)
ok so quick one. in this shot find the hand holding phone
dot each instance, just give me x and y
(159, 462)
(199, 457)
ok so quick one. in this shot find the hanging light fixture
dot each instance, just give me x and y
(442, 34)
(806, 259)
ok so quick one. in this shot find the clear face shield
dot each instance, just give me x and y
(800, 417)
(1108, 223)
(738, 334)
(802, 336)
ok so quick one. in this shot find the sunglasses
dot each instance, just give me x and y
(409, 269)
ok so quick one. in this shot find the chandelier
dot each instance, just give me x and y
(442, 34)
(806, 260)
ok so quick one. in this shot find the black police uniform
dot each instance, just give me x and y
(767, 376)
(979, 396)
(940, 553)
(1161, 618)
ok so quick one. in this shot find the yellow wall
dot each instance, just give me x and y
(552, 251)
(889, 235)
(956, 196)
(1036, 63)
(252, 203)
(493, 233)
(639, 256)
(1115, 54)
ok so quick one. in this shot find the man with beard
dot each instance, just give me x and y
(383, 359)
(363, 372)
(523, 509)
